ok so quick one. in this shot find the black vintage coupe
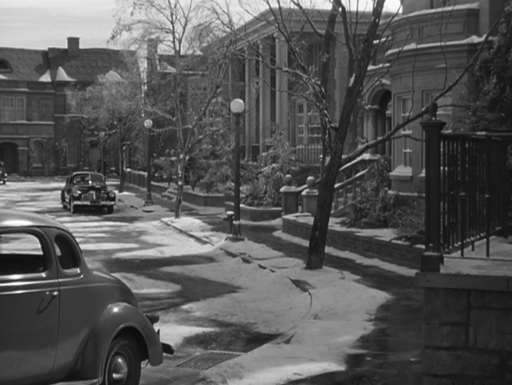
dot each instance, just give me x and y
(61, 321)
(87, 189)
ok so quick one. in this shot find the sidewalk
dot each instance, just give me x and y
(317, 343)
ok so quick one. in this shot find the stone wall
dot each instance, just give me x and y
(467, 330)
(256, 214)
(390, 251)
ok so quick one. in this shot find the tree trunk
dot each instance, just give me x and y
(318, 237)
(122, 179)
(179, 198)
(179, 190)
(122, 175)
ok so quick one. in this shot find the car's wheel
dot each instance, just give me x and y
(71, 206)
(123, 363)
(110, 209)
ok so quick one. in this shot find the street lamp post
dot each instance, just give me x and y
(237, 107)
(148, 123)
(102, 136)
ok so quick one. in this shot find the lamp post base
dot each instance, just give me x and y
(148, 201)
(235, 238)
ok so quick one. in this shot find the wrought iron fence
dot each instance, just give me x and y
(474, 189)
(472, 202)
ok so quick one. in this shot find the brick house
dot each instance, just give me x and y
(39, 133)
(428, 46)
(429, 43)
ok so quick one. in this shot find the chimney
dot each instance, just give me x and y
(73, 45)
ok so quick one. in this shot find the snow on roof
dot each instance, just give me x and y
(62, 76)
(451, 8)
(414, 46)
(378, 67)
(46, 77)
(111, 76)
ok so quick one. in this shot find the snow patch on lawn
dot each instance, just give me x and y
(188, 224)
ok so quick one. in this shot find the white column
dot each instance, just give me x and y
(265, 94)
(250, 102)
(282, 107)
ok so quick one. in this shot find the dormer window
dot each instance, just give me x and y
(5, 67)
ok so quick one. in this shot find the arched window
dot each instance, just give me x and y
(5, 66)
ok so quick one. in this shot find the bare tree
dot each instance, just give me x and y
(184, 86)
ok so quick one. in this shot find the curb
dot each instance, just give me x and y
(184, 232)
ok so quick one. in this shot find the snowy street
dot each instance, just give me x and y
(237, 313)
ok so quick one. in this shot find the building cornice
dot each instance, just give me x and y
(471, 7)
(439, 46)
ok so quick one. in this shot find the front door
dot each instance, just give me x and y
(9, 155)
(29, 306)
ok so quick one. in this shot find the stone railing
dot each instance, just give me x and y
(304, 198)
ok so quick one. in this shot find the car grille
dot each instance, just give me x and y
(90, 196)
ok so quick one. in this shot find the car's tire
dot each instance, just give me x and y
(110, 209)
(71, 206)
(122, 366)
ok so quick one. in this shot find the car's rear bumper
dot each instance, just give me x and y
(91, 203)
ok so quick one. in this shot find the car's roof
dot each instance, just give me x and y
(18, 218)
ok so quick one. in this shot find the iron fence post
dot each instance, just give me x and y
(432, 258)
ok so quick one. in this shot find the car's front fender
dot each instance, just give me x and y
(118, 319)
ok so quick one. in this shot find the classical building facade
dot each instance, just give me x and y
(424, 49)
(39, 133)
(275, 100)
(428, 46)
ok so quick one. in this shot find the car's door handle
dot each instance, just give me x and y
(52, 293)
(45, 301)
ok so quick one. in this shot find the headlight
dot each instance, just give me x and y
(76, 193)
(112, 195)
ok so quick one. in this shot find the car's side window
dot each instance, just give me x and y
(66, 252)
(21, 253)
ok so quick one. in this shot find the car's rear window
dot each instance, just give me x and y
(21, 253)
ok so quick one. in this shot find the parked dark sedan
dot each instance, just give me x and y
(87, 189)
(60, 321)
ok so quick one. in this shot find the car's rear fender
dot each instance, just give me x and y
(118, 319)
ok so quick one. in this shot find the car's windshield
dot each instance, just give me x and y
(87, 178)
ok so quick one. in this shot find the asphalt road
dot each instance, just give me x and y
(133, 244)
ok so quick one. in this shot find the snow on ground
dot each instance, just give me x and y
(318, 322)
(319, 314)
(143, 285)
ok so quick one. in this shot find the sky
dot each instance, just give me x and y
(39, 24)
